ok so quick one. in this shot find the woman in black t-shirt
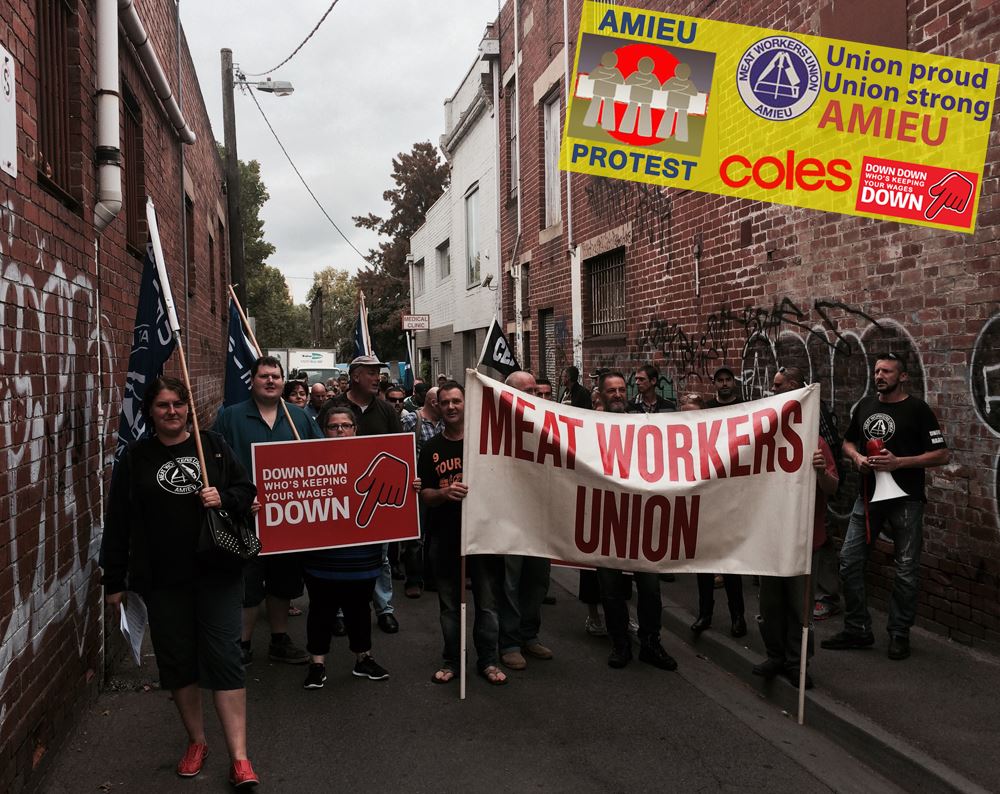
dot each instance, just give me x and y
(150, 546)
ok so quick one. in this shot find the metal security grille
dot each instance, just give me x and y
(607, 294)
(135, 180)
(546, 342)
(55, 18)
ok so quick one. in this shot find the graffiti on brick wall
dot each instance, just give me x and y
(48, 414)
(620, 362)
(647, 207)
(984, 386)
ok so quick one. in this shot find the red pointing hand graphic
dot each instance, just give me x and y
(952, 192)
(385, 483)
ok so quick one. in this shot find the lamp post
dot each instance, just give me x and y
(237, 268)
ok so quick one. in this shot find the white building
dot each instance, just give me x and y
(456, 250)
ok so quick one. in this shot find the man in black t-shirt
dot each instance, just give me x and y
(912, 441)
(442, 491)
(727, 389)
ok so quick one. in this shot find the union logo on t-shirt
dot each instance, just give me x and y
(880, 426)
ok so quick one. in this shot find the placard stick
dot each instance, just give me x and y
(806, 611)
(462, 638)
(253, 341)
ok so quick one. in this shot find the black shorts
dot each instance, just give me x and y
(196, 633)
(278, 575)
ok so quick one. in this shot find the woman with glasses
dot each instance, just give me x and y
(341, 579)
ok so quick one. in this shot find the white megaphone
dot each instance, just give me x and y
(885, 483)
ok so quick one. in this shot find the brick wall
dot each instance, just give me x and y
(66, 319)
(784, 286)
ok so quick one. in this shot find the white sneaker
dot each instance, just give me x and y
(595, 628)
(633, 628)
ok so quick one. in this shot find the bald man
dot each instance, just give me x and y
(525, 583)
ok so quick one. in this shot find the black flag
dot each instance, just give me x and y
(497, 352)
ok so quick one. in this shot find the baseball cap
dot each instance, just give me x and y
(723, 371)
(365, 361)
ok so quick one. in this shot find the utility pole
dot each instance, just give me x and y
(237, 271)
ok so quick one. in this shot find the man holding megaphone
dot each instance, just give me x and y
(892, 438)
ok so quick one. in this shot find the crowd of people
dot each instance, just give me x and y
(201, 620)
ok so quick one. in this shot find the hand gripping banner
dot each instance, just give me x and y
(724, 490)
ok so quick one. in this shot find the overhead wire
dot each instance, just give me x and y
(296, 50)
(303, 180)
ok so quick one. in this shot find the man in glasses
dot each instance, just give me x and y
(647, 401)
(908, 440)
(373, 417)
(396, 396)
(276, 578)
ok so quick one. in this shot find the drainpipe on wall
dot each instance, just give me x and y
(108, 155)
(180, 174)
(515, 265)
(575, 273)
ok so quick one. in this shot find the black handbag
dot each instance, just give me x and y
(225, 542)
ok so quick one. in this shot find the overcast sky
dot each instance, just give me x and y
(371, 82)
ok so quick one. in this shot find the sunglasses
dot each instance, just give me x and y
(396, 399)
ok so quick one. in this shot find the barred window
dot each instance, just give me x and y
(135, 176)
(606, 274)
(192, 271)
(57, 34)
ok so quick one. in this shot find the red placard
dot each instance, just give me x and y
(917, 192)
(324, 493)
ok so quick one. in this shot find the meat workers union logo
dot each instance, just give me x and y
(880, 426)
(778, 78)
(174, 481)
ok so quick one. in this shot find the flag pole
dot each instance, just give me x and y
(175, 328)
(253, 341)
(806, 612)
(461, 653)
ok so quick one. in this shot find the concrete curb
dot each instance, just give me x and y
(894, 757)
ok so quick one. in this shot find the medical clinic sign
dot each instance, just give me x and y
(319, 494)
(727, 490)
(781, 117)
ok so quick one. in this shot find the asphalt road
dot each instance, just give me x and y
(569, 724)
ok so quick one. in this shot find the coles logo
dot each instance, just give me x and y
(788, 172)
(778, 78)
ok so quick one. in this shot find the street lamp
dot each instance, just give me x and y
(237, 270)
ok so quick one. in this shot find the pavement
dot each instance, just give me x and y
(927, 724)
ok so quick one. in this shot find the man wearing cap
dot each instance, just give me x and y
(727, 391)
(373, 417)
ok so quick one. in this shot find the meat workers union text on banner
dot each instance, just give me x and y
(724, 490)
(323, 493)
(783, 117)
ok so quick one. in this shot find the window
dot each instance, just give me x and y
(57, 40)
(223, 257)
(547, 343)
(135, 174)
(446, 359)
(513, 122)
(444, 259)
(553, 195)
(472, 237)
(189, 231)
(470, 350)
(418, 277)
(212, 274)
(606, 274)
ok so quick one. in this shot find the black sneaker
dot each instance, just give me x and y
(899, 648)
(315, 677)
(653, 653)
(620, 656)
(367, 667)
(848, 640)
(791, 672)
(246, 655)
(284, 650)
(769, 668)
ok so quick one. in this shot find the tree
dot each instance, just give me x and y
(337, 293)
(420, 177)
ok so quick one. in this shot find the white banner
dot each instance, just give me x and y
(723, 490)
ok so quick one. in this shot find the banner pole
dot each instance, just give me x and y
(175, 329)
(462, 639)
(253, 341)
(806, 611)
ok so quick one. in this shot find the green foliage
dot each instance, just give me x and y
(420, 177)
(337, 293)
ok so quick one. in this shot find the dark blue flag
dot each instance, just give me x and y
(152, 345)
(239, 360)
(408, 370)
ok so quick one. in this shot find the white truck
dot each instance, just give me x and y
(318, 365)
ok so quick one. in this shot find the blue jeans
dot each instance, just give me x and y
(519, 604)
(382, 598)
(904, 519)
(486, 571)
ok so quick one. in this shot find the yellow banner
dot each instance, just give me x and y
(782, 117)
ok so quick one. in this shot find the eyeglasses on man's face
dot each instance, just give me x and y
(344, 426)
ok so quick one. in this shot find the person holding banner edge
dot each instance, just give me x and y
(901, 437)
(150, 545)
(440, 469)
(276, 578)
(649, 606)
